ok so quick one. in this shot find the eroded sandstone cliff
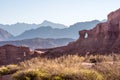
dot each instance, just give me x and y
(10, 54)
(104, 38)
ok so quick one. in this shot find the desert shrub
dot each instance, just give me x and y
(83, 74)
(9, 69)
(109, 71)
(79, 75)
(38, 75)
(12, 68)
(30, 75)
(4, 70)
(35, 75)
(55, 78)
(90, 75)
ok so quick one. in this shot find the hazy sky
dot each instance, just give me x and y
(60, 11)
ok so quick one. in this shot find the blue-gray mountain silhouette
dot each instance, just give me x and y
(19, 28)
(49, 32)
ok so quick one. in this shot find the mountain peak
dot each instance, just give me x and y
(53, 25)
(46, 21)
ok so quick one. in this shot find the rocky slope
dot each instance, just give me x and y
(104, 38)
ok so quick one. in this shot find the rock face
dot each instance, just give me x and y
(104, 38)
(12, 54)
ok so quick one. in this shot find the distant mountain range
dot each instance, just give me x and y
(44, 35)
(19, 28)
(50, 32)
(4, 35)
(39, 42)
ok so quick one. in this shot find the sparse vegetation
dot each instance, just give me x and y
(69, 67)
(10, 69)
(4, 70)
(38, 75)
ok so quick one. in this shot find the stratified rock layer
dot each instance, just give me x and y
(10, 54)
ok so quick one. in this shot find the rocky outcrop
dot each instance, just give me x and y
(12, 54)
(104, 38)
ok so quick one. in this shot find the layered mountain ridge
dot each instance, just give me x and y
(49, 32)
(19, 28)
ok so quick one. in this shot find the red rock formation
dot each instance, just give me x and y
(104, 38)
(13, 54)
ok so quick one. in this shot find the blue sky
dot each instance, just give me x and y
(60, 11)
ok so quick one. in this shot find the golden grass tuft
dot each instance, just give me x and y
(9, 69)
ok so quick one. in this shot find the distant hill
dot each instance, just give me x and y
(39, 42)
(49, 32)
(19, 28)
(4, 35)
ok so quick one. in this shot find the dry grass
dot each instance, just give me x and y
(54, 66)
(69, 68)
(109, 71)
